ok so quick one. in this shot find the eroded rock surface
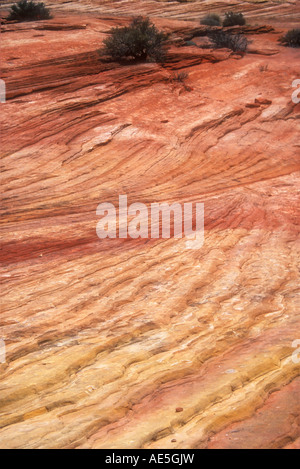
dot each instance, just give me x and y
(106, 340)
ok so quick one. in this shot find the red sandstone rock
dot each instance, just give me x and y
(253, 105)
(102, 337)
(263, 101)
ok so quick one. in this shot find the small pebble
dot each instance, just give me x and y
(179, 409)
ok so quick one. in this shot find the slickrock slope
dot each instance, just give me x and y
(147, 343)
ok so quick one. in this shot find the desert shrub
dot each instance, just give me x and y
(180, 77)
(211, 19)
(263, 68)
(234, 19)
(235, 42)
(140, 40)
(292, 38)
(28, 11)
(190, 43)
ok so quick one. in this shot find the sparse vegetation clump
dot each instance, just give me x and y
(180, 77)
(140, 40)
(235, 42)
(190, 43)
(29, 11)
(212, 19)
(291, 38)
(234, 19)
(263, 68)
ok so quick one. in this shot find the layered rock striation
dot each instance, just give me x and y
(106, 339)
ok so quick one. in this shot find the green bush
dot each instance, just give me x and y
(234, 19)
(235, 42)
(292, 38)
(190, 43)
(211, 19)
(140, 40)
(28, 11)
